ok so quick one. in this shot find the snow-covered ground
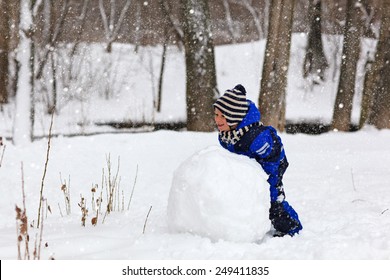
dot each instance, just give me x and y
(338, 183)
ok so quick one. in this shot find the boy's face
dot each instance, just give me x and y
(220, 120)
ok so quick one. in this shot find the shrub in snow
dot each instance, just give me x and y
(220, 195)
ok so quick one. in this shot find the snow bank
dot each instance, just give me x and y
(219, 195)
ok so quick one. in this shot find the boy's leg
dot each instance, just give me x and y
(283, 217)
(275, 170)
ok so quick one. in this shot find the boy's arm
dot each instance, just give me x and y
(266, 146)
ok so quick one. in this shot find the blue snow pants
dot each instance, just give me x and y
(283, 217)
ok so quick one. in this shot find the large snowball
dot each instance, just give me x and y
(220, 195)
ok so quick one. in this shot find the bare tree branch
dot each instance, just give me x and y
(112, 29)
(53, 40)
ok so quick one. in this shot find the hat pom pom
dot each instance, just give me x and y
(240, 88)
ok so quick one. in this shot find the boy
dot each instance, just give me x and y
(241, 132)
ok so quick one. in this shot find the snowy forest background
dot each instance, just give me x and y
(82, 68)
(61, 56)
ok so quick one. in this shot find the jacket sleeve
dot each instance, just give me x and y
(267, 146)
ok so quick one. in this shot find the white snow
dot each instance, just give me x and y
(337, 182)
(220, 195)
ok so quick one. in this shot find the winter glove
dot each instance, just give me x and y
(284, 219)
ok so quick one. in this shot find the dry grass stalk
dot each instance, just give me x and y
(123, 201)
(65, 188)
(2, 147)
(94, 220)
(59, 208)
(113, 195)
(22, 225)
(37, 248)
(22, 228)
(112, 185)
(93, 191)
(132, 191)
(118, 197)
(84, 210)
(96, 204)
(146, 220)
(44, 171)
(22, 233)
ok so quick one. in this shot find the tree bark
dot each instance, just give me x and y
(272, 98)
(370, 78)
(13, 66)
(4, 51)
(351, 51)
(380, 114)
(201, 79)
(315, 63)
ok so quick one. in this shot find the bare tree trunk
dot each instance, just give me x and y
(80, 23)
(380, 114)
(315, 63)
(161, 77)
(4, 51)
(24, 113)
(13, 67)
(351, 51)
(368, 93)
(51, 39)
(334, 27)
(52, 108)
(276, 62)
(166, 23)
(201, 82)
(371, 74)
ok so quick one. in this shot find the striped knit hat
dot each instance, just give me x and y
(233, 105)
